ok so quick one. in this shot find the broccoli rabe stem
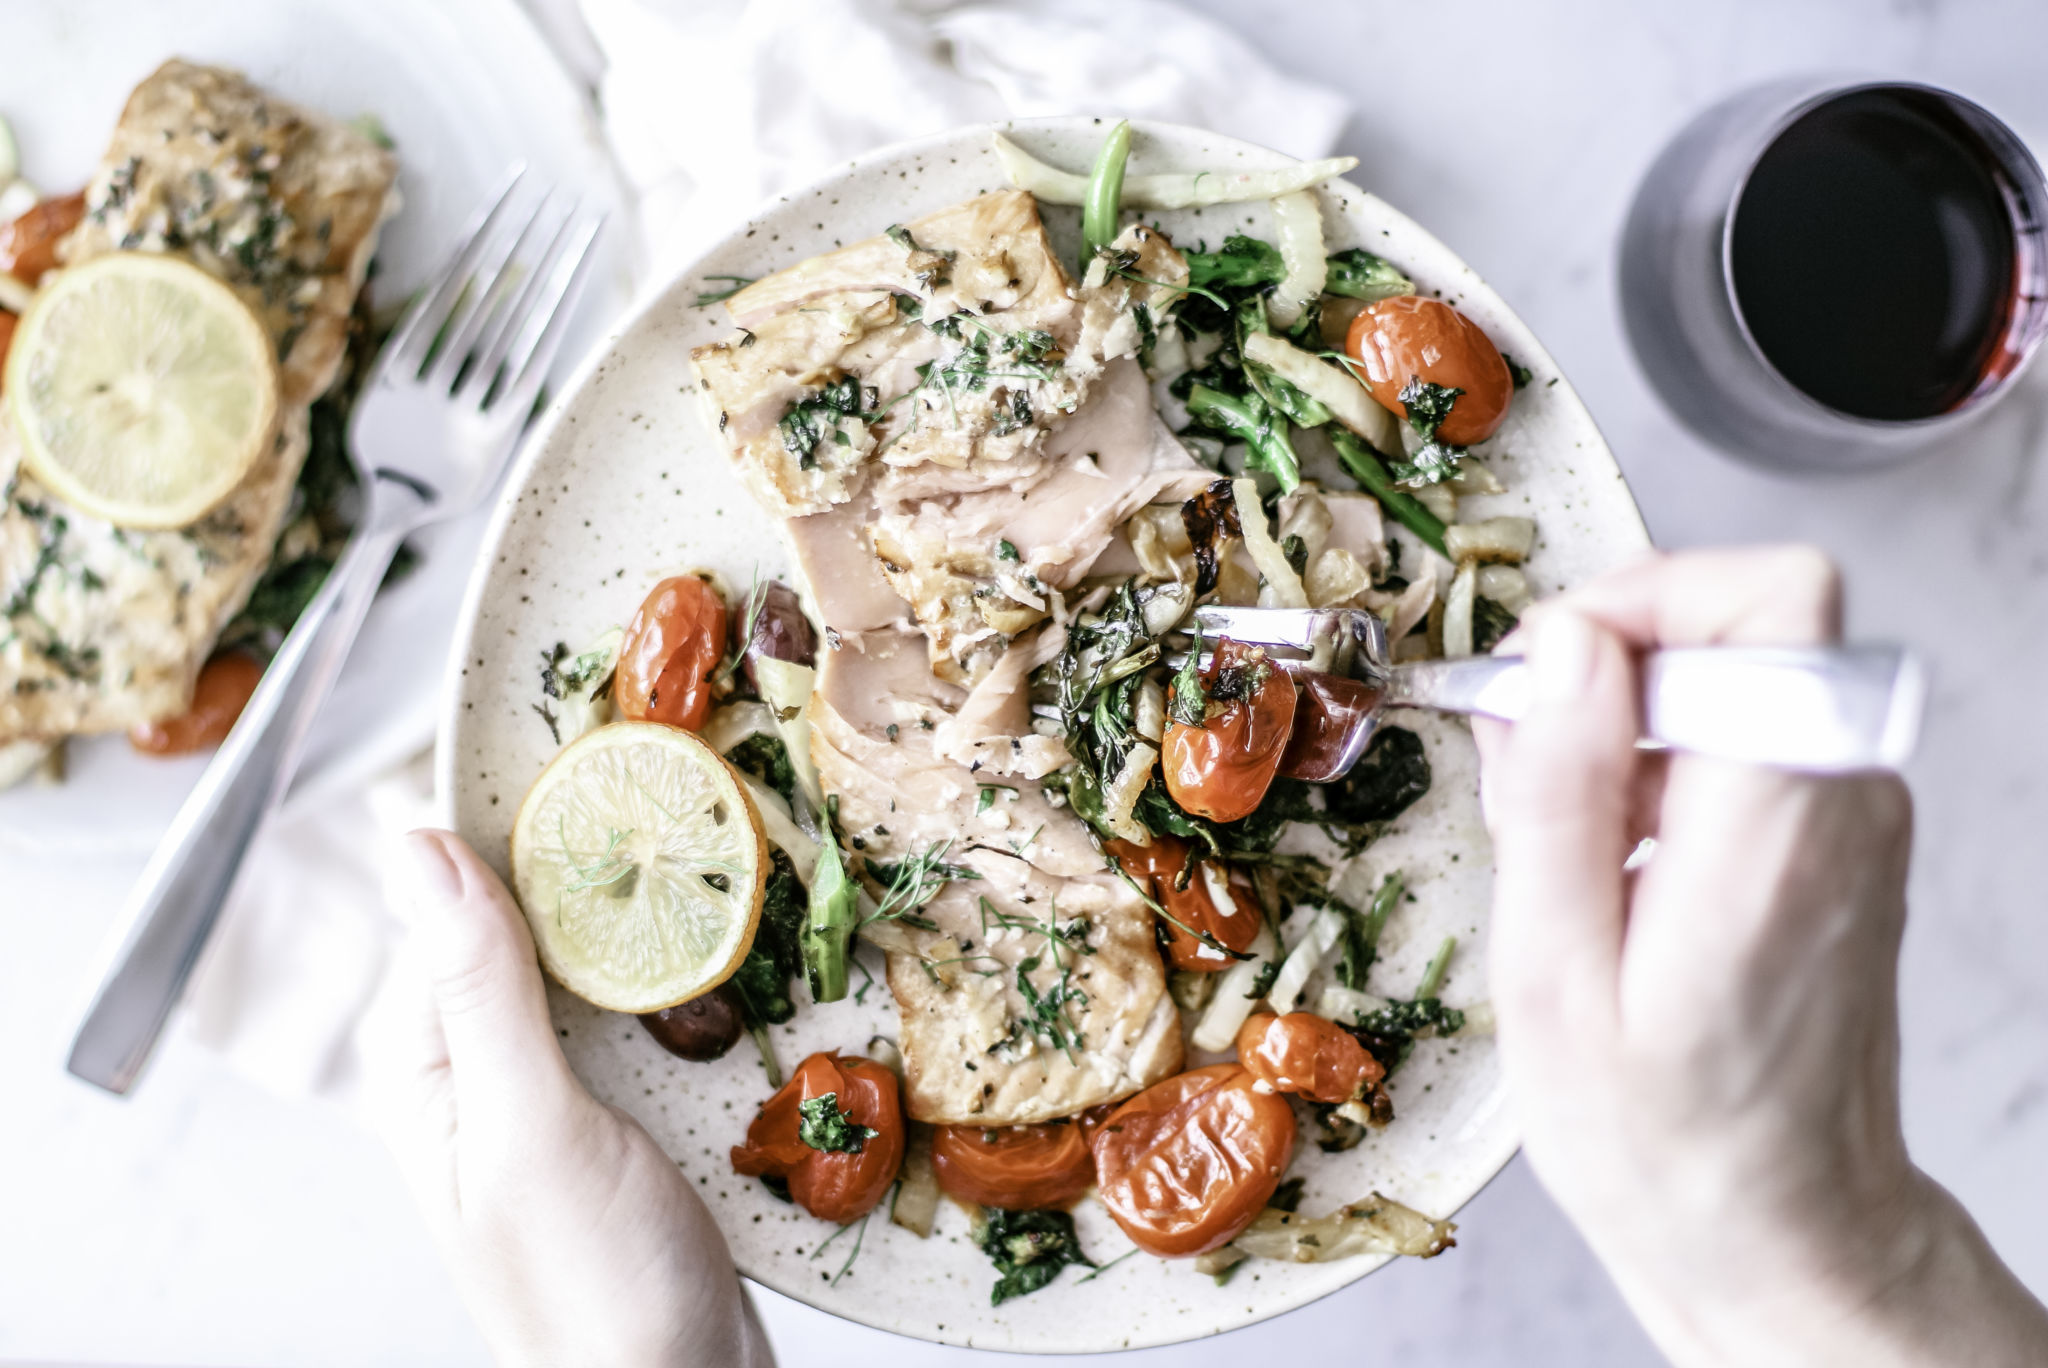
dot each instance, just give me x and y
(769, 1063)
(1247, 419)
(828, 930)
(1433, 976)
(1364, 466)
(1105, 193)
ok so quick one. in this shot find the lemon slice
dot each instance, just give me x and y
(638, 859)
(143, 389)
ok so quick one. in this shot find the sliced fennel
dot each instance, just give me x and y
(786, 689)
(1175, 190)
(1233, 1001)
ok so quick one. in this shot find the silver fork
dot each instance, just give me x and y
(438, 417)
(1826, 709)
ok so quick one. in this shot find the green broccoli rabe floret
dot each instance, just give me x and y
(1028, 1248)
(1361, 275)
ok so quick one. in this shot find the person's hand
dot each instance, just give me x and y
(573, 1238)
(1705, 1052)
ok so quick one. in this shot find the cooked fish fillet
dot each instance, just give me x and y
(106, 627)
(954, 432)
(926, 378)
(975, 1050)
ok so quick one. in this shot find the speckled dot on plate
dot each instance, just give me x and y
(625, 484)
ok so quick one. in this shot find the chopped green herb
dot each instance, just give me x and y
(829, 1130)
(807, 421)
(734, 284)
(1517, 372)
(1029, 1248)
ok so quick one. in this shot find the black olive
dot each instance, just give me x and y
(702, 1028)
(780, 631)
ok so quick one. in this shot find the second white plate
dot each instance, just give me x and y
(466, 88)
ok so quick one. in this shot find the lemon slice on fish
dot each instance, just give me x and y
(143, 389)
(638, 858)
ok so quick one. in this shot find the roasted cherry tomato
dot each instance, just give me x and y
(225, 683)
(1327, 714)
(1408, 337)
(7, 322)
(670, 651)
(1185, 1165)
(1221, 769)
(28, 245)
(1018, 1168)
(1304, 1054)
(1191, 911)
(831, 1184)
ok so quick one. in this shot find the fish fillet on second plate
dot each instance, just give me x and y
(103, 627)
(953, 430)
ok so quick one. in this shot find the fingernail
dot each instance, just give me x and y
(433, 873)
(1561, 656)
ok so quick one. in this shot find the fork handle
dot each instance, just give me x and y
(1828, 709)
(172, 909)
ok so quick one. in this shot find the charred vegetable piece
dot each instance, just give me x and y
(1211, 520)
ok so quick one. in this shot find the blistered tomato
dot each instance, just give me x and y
(28, 245)
(1192, 912)
(1408, 337)
(670, 651)
(832, 1184)
(1185, 1165)
(1221, 769)
(1304, 1054)
(1018, 1168)
(225, 683)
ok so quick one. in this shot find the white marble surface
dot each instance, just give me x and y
(204, 1223)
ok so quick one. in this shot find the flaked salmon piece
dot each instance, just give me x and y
(954, 432)
(976, 1049)
(954, 329)
(106, 627)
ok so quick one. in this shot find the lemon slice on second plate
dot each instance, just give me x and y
(638, 859)
(143, 389)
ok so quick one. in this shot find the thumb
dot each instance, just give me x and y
(1557, 799)
(478, 955)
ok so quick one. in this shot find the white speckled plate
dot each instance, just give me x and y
(626, 485)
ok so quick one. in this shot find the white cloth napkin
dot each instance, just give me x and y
(712, 106)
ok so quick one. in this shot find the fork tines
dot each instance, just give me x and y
(489, 326)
